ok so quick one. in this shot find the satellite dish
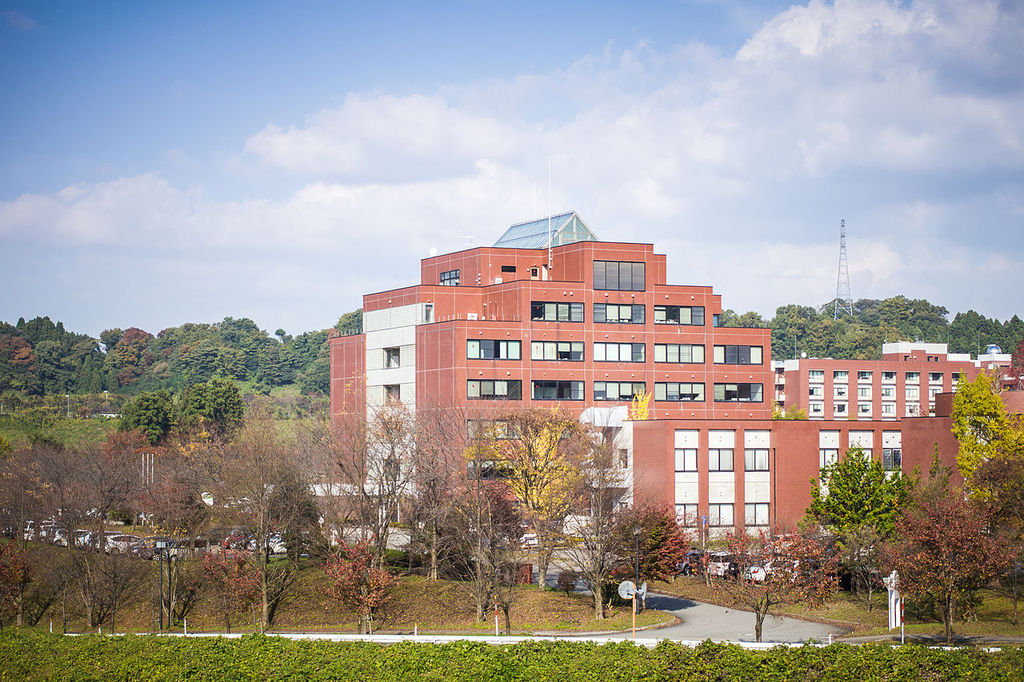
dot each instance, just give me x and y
(433, 251)
(627, 589)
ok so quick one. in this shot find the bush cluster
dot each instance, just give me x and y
(31, 655)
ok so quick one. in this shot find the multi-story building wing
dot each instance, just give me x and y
(551, 316)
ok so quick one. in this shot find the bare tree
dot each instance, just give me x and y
(256, 470)
(602, 485)
(375, 458)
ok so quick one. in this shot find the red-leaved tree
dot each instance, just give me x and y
(663, 543)
(944, 552)
(778, 569)
(13, 574)
(234, 581)
(356, 583)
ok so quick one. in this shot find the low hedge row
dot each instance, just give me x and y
(30, 655)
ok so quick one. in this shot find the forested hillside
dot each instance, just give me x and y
(802, 329)
(40, 357)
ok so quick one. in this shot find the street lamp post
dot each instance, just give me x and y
(636, 538)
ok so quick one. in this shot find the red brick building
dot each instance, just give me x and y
(552, 316)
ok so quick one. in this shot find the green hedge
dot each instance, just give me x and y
(28, 655)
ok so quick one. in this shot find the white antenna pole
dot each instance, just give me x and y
(549, 215)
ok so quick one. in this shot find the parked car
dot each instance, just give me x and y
(121, 543)
(81, 538)
(692, 563)
(238, 539)
(721, 565)
(153, 547)
(276, 545)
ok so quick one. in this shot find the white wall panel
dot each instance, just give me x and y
(721, 439)
(686, 439)
(828, 439)
(756, 439)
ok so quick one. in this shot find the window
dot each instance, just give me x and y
(508, 268)
(618, 352)
(892, 459)
(913, 409)
(428, 312)
(827, 456)
(888, 409)
(935, 377)
(678, 314)
(889, 377)
(492, 349)
(839, 408)
(816, 391)
(720, 515)
(618, 275)
(450, 278)
(558, 390)
(864, 392)
(687, 514)
(840, 375)
(755, 514)
(839, 391)
(863, 376)
(888, 391)
(498, 429)
(913, 392)
(618, 390)
(618, 313)
(679, 392)
(913, 376)
(816, 375)
(571, 351)
(392, 358)
(863, 409)
(679, 352)
(542, 311)
(816, 409)
(737, 355)
(720, 459)
(392, 393)
(686, 459)
(493, 389)
(738, 393)
(716, 319)
(755, 459)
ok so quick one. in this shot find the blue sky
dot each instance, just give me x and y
(164, 163)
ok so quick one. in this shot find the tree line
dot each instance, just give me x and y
(39, 357)
(798, 329)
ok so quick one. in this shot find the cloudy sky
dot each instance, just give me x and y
(171, 162)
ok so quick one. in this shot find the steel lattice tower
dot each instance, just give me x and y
(844, 299)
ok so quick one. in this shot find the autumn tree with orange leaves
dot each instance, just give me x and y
(357, 583)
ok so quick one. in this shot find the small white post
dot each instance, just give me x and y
(51, 627)
(101, 629)
(415, 629)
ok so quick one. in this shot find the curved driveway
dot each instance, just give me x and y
(706, 621)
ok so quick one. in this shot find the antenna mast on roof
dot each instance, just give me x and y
(844, 299)
(549, 213)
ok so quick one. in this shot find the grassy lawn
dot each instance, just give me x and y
(442, 606)
(71, 432)
(993, 616)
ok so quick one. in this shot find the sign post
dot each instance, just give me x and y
(895, 604)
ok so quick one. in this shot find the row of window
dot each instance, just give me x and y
(892, 458)
(512, 389)
(619, 275)
(864, 392)
(721, 515)
(616, 313)
(721, 459)
(678, 353)
(912, 408)
(888, 377)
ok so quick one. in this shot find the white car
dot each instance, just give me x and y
(121, 543)
(719, 564)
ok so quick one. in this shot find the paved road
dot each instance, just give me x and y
(706, 621)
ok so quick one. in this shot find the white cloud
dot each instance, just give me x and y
(18, 20)
(737, 166)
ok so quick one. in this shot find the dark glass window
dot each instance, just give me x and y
(493, 349)
(672, 391)
(618, 390)
(543, 311)
(618, 313)
(494, 389)
(558, 390)
(450, 278)
(619, 275)
(679, 314)
(738, 355)
(571, 351)
(738, 393)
